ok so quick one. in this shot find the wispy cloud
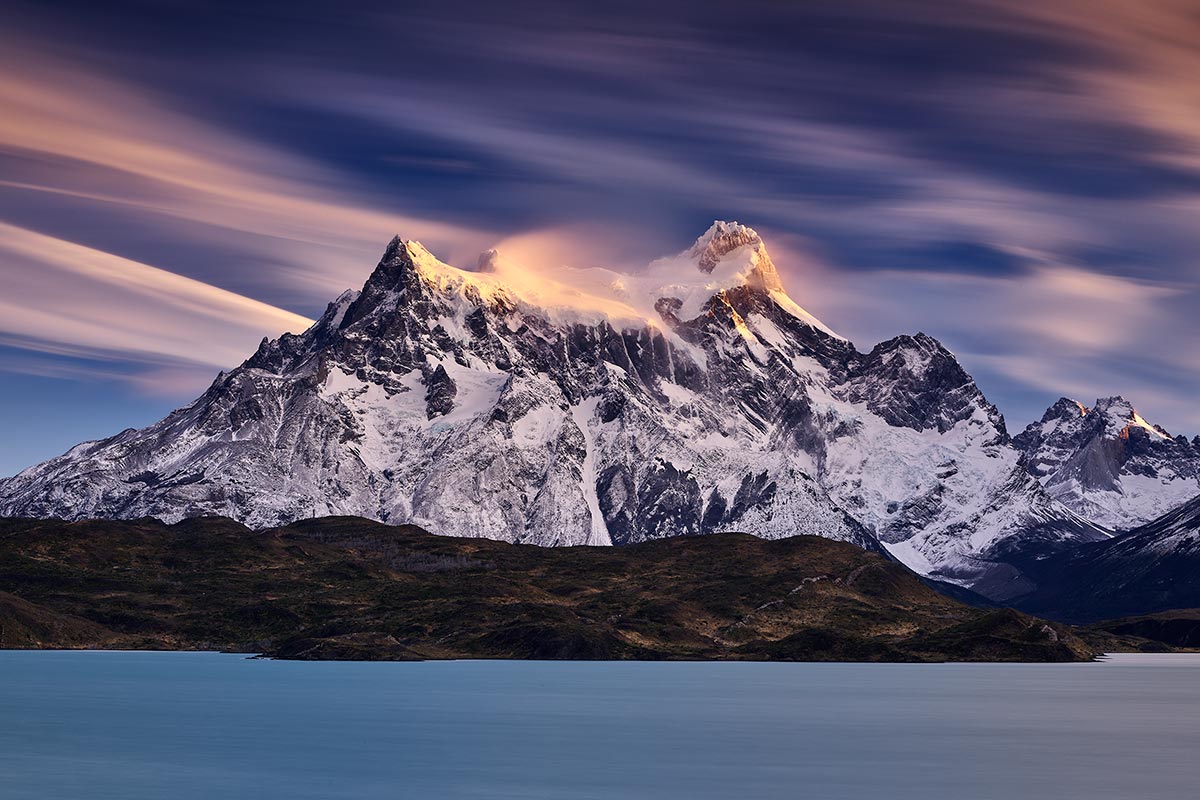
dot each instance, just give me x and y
(1021, 179)
(61, 298)
(115, 148)
(124, 147)
(1051, 329)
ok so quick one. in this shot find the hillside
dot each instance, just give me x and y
(338, 588)
(1146, 570)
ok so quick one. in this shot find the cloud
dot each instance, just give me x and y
(114, 149)
(1148, 74)
(63, 299)
(102, 140)
(1021, 180)
(1050, 329)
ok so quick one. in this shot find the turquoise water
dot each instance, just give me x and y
(86, 725)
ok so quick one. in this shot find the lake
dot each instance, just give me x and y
(90, 725)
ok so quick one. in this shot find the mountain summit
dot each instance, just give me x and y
(587, 407)
(1109, 464)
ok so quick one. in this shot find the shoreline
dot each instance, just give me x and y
(1101, 658)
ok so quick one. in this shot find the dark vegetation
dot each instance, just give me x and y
(1165, 630)
(347, 588)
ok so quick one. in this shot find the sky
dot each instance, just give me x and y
(178, 180)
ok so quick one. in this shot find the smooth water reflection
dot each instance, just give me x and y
(202, 725)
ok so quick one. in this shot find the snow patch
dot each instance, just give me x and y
(583, 414)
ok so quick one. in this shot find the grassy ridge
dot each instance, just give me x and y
(350, 588)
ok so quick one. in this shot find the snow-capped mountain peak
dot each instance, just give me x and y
(720, 239)
(1065, 408)
(669, 291)
(585, 406)
(735, 250)
(1120, 417)
(1108, 463)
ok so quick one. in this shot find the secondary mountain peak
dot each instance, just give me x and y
(1121, 418)
(1109, 463)
(916, 382)
(489, 261)
(1064, 408)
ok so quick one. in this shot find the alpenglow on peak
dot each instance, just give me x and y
(727, 257)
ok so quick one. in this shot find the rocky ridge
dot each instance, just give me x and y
(588, 407)
(1109, 464)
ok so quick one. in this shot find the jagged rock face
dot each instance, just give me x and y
(915, 382)
(691, 399)
(720, 240)
(1109, 464)
(440, 392)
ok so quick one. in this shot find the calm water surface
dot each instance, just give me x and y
(86, 725)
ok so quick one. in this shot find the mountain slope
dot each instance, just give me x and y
(1110, 465)
(588, 407)
(1149, 569)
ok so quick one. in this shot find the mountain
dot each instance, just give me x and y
(1149, 569)
(1176, 628)
(1108, 464)
(338, 588)
(587, 407)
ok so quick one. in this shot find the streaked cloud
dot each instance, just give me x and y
(122, 147)
(1020, 179)
(1046, 331)
(61, 298)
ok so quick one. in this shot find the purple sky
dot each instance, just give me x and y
(177, 180)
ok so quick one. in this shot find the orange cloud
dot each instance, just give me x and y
(1149, 74)
(179, 166)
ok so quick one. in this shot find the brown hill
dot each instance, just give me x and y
(350, 588)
